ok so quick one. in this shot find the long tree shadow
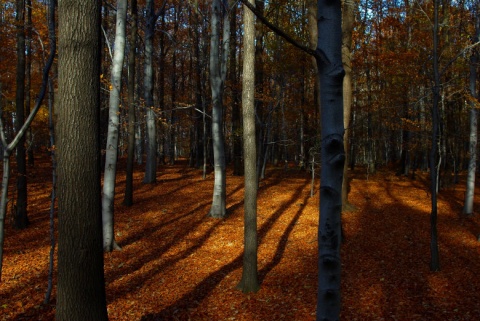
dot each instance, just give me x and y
(282, 244)
(179, 309)
(386, 259)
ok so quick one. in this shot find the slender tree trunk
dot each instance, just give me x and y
(236, 119)
(51, 128)
(218, 62)
(151, 132)
(434, 259)
(331, 72)
(249, 281)
(28, 78)
(472, 165)
(81, 284)
(348, 19)
(128, 198)
(111, 150)
(21, 217)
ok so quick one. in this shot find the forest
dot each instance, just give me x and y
(239, 160)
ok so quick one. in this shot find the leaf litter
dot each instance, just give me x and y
(179, 264)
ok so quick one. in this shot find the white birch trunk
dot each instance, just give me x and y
(111, 149)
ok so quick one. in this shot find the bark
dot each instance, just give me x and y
(28, 79)
(249, 281)
(472, 164)
(348, 19)
(51, 127)
(151, 132)
(111, 150)
(218, 62)
(331, 73)
(434, 255)
(21, 217)
(81, 284)
(128, 197)
(236, 120)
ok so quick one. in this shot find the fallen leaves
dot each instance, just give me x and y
(178, 264)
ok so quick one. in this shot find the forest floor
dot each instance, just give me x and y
(179, 264)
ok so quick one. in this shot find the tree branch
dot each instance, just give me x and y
(318, 54)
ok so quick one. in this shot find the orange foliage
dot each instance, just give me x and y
(178, 264)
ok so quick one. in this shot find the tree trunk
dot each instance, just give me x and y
(128, 198)
(236, 120)
(8, 148)
(331, 72)
(151, 132)
(28, 79)
(218, 61)
(21, 218)
(249, 281)
(472, 165)
(81, 284)
(111, 150)
(348, 19)
(434, 259)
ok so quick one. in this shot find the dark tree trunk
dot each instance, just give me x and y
(434, 259)
(28, 80)
(128, 198)
(151, 132)
(234, 85)
(81, 284)
(331, 72)
(21, 218)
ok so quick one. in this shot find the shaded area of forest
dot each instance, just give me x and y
(178, 264)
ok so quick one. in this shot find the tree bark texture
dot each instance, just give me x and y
(111, 149)
(21, 218)
(151, 132)
(128, 197)
(81, 285)
(434, 255)
(249, 281)
(235, 93)
(472, 164)
(330, 67)
(218, 66)
(348, 19)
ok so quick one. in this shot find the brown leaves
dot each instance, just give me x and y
(178, 264)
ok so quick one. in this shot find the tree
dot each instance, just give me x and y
(218, 69)
(330, 68)
(111, 149)
(328, 55)
(472, 164)
(21, 218)
(249, 281)
(8, 148)
(434, 166)
(348, 19)
(151, 133)
(128, 197)
(81, 285)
